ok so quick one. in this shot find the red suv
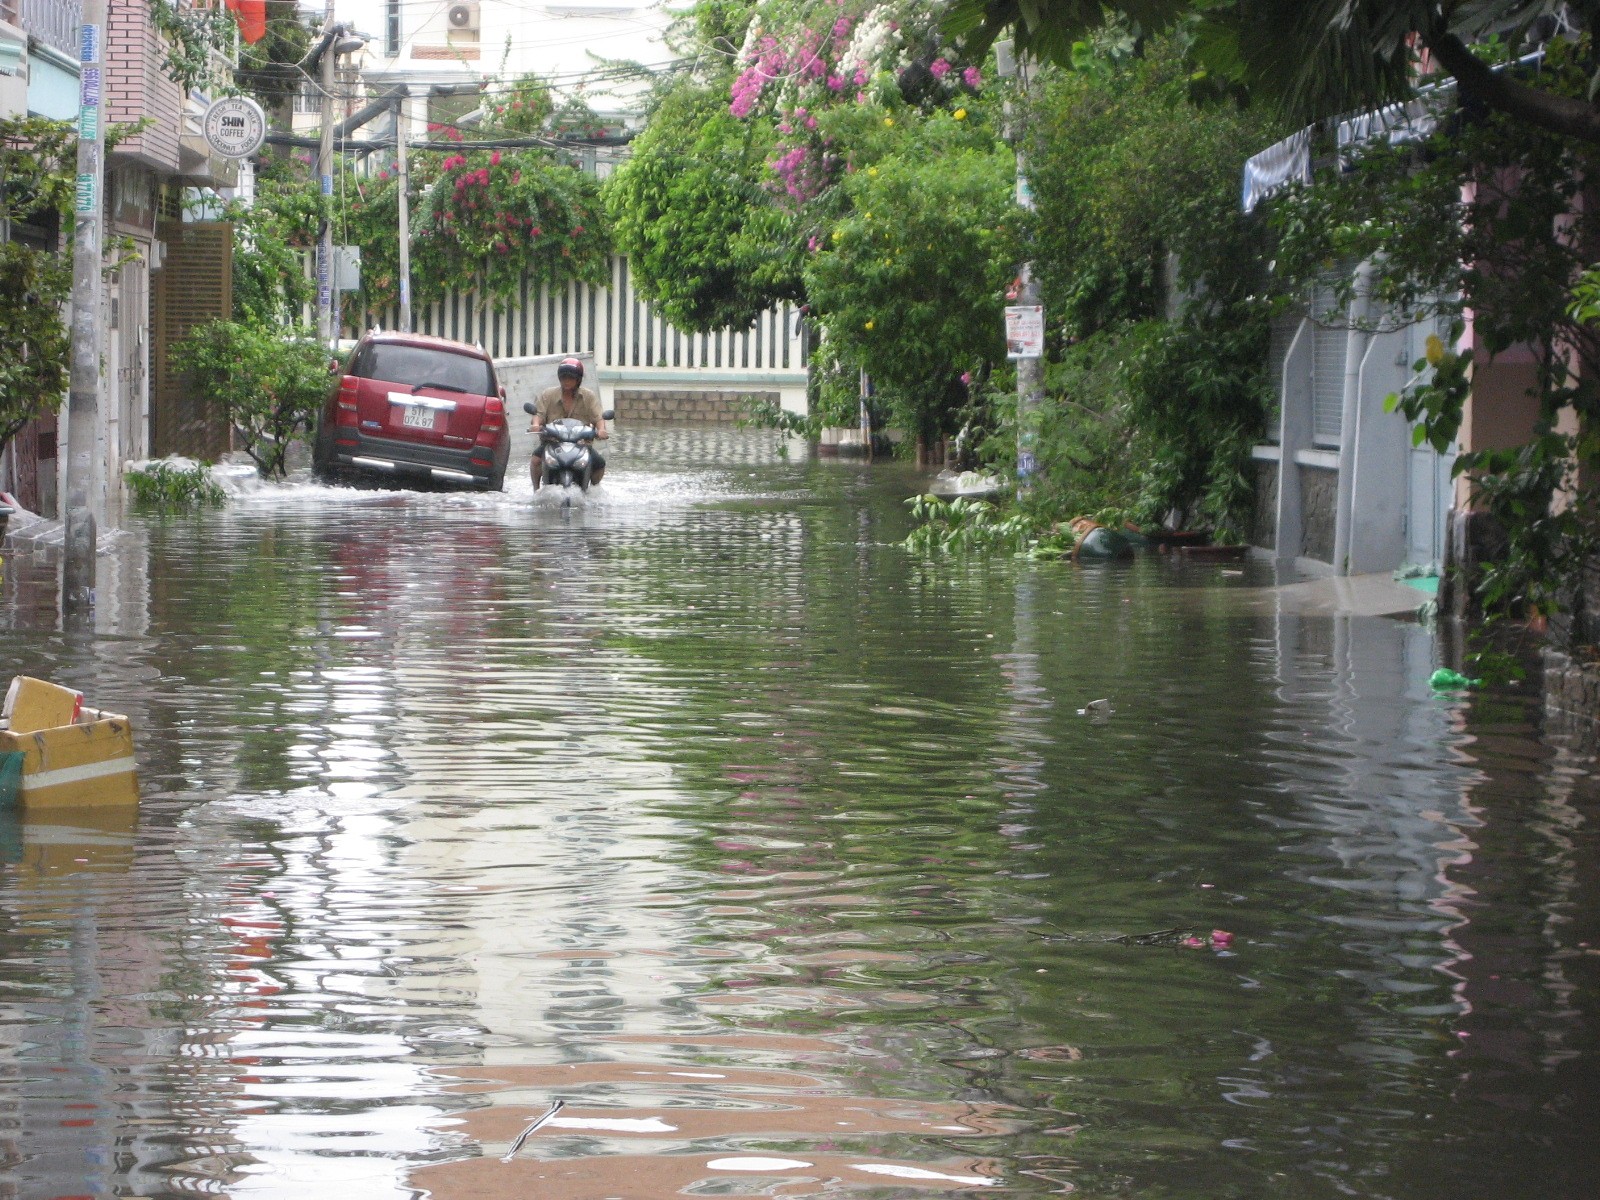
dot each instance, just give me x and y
(409, 404)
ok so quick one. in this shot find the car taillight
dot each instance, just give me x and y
(494, 414)
(345, 410)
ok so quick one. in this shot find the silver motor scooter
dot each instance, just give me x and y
(568, 457)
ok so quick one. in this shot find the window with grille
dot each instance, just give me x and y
(308, 100)
(1330, 340)
(391, 29)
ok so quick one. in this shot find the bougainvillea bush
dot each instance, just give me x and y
(838, 154)
(493, 216)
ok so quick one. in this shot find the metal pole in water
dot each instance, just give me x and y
(83, 396)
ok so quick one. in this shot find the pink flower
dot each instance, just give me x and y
(835, 83)
(861, 77)
(939, 67)
(966, 377)
(972, 77)
(1221, 938)
(812, 244)
(1193, 942)
(495, 158)
(811, 122)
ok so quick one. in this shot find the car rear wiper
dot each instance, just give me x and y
(443, 387)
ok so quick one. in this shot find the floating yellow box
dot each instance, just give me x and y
(88, 761)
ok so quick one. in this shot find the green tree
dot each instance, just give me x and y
(271, 234)
(269, 382)
(35, 182)
(909, 285)
(1316, 58)
(703, 239)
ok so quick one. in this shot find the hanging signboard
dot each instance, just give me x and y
(235, 126)
(1024, 331)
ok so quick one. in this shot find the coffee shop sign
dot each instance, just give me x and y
(235, 126)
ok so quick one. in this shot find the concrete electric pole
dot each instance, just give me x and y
(1030, 367)
(88, 284)
(402, 134)
(330, 38)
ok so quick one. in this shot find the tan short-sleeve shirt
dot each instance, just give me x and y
(585, 406)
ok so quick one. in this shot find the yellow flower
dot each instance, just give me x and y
(871, 324)
(872, 171)
(1434, 350)
(960, 114)
(837, 234)
(888, 121)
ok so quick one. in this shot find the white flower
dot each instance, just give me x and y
(752, 36)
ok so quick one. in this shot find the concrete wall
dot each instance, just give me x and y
(682, 406)
(525, 378)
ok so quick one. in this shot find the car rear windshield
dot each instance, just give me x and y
(415, 366)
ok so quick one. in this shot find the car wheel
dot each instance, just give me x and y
(322, 454)
(497, 479)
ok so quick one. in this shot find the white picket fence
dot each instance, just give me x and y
(631, 346)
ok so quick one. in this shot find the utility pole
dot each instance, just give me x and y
(83, 396)
(402, 134)
(325, 329)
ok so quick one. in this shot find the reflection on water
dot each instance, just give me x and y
(785, 861)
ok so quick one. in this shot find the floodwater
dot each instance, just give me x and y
(786, 861)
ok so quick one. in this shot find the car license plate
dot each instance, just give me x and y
(417, 418)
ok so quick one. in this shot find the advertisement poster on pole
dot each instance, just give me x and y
(1025, 331)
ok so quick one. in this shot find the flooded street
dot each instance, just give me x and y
(785, 860)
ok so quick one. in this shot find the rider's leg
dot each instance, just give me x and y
(598, 471)
(536, 469)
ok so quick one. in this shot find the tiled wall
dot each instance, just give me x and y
(136, 87)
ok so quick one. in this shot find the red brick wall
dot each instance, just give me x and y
(136, 87)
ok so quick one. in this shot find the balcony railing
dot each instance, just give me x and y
(54, 22)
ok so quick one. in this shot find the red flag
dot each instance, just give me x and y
(252, 17)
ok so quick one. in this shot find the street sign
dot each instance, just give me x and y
(235, 126)
(347, 268)
(1024, 331)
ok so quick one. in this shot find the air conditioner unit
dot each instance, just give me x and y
(464, 17)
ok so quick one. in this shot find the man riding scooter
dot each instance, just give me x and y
(568, 399)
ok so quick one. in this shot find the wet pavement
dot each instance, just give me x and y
(784, 859)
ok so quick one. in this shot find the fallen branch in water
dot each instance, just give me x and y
(532, 1125)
